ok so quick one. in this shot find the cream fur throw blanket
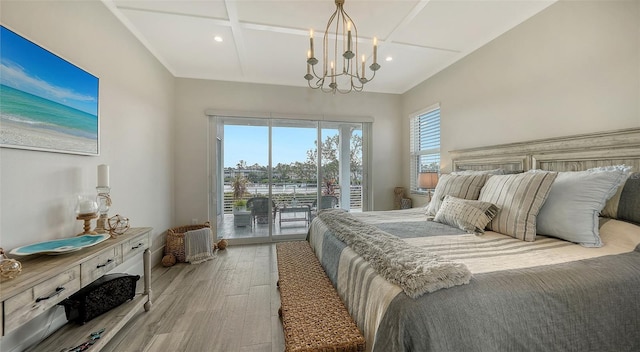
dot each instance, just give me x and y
(197, 246)
(415, 270)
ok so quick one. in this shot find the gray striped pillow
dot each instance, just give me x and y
(469, 215)
(519, 198)
(625, 204)
(459, 186)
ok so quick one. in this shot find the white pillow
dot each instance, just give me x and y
(574, 202)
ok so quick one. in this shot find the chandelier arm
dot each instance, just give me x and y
(335, 51)
(313, 69)
(312, 87)
(349, 70)
(345, 91)
(358, 84)
(344, 40)
(327, 90)
(325, 52)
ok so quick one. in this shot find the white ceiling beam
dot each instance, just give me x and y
(332, 36)
(216, 20)
(406, 20)
(238, 36)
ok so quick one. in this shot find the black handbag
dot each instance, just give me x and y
(99, 297)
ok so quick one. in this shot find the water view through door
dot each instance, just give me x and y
(271, 184)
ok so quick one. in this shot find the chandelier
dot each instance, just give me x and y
(348, 77)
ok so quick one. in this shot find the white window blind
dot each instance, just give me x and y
(424, 144)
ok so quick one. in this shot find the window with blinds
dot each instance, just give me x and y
(424, 144)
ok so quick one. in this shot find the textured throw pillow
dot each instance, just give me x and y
(468, 215)
(519, 198)
(625, 204)
(459, 186)
(575, 200)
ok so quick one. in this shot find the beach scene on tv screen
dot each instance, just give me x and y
(46, 103)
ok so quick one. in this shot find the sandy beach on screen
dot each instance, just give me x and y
(21, 135)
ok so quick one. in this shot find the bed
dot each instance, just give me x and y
(557, 276)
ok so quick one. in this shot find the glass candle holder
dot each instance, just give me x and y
(104, 203)
(86, 204)
(86, 209)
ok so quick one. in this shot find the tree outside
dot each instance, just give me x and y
(305, 171)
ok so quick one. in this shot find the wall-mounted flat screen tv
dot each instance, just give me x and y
(46, 102)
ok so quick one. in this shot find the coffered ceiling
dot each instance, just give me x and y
(266, 41)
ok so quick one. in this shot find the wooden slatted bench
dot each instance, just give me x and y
(313, 315)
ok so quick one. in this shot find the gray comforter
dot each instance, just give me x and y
(548, 295)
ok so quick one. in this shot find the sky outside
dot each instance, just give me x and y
(250, 143)
(32, 69)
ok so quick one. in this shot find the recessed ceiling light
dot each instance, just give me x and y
(389, 58)
(217, 38)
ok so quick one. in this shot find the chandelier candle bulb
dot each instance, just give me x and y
(375, 50)
(349, 36)
(103, 175)
(333, 73)
(311, 43)
(363, 61)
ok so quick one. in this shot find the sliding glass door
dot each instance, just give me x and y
(276, 176)
(295, 175)
(342, 168)
(245, 186)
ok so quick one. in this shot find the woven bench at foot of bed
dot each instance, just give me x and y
(313, 315)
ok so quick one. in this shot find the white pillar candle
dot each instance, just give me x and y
(311, 43)
(333, 73)
(349, 36)
(103, 175)
(375, 50)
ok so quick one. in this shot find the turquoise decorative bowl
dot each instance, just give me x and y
(60, 246)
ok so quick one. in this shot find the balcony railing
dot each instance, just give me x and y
(302, 196)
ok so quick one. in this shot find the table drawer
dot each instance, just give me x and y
(134, 246)
(93, 269)
(34, 301)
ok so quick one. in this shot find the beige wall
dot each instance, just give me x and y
(38, 189)
(573, 68)
(196, 96)
(136, 115)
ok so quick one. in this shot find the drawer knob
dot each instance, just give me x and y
(138, 246)
(105, 264)
(53, 294)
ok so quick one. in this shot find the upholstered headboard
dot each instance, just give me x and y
(572, 153)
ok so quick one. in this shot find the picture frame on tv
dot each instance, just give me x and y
(46, 103)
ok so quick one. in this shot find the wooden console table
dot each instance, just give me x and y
(47, 280)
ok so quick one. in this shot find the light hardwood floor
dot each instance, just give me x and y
(229, 303)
